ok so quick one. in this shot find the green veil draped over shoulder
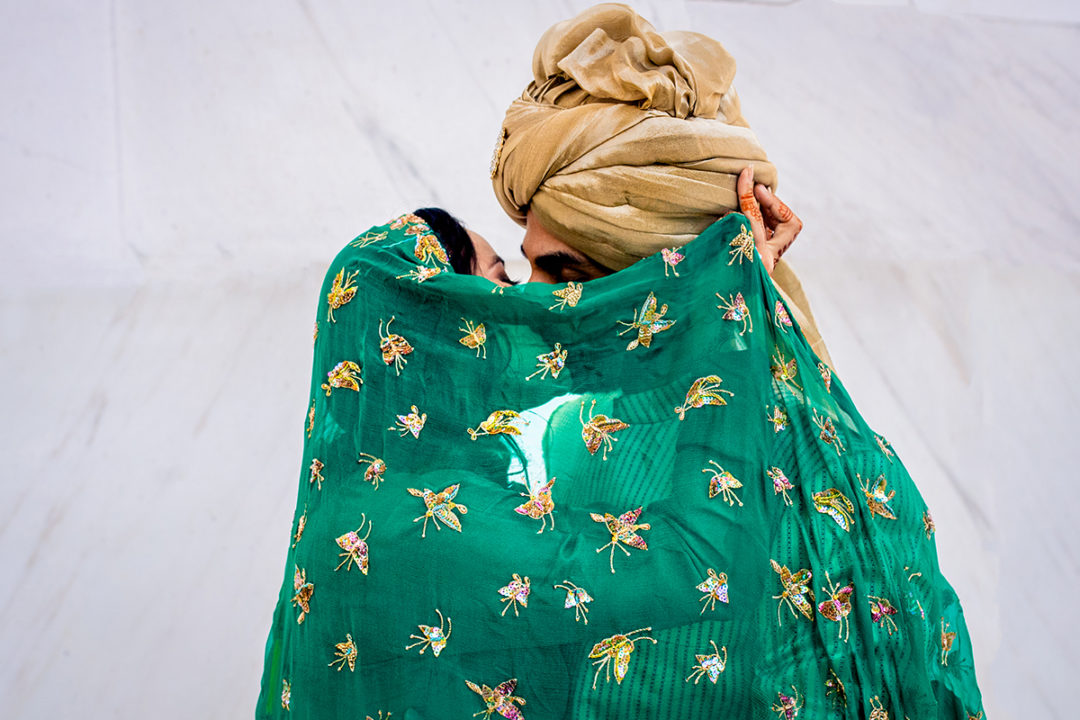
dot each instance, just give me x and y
(638, 497)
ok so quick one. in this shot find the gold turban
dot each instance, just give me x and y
(629, 140)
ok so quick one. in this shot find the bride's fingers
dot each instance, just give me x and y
(785, 225)
(749, 206)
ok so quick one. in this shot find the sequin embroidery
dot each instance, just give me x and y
(375, 469)
(881, 612)
(475, 337)
(648, 322)
(539, 506)
(577, 598)
(552, 362)
(876, 500)
(515, 593)
(947, 640)
(616, 650)
(788, 706)
(341, 292)
(355, 547)
(412, 423)
(784, 370)
(735, 309)
(835, 504)
(303, 590)
(742, 246)
(300, 525)
(432, 636)
(672, 257)
(828, 433)
(368, 238)
(834, 688)
(315, 472)
(394, 347)
(885, 446)
(838, 606)
(826, 375)
(709, 665)
(778, 418)
(408, 218)
(715, 588)
(597, 431)
(501, 700)
(500, 422)
(496, 154)
(723, 483)
(286, 695)
(704, 391)
(427, 247)
(782, 319)
(795, 591)
(345, 375)
(311, 419)
(623, 529)
(781, 484)
(421, 273)
(568, 296)
(440, 506)
(345, 652)
(928, 523)
(877, 711)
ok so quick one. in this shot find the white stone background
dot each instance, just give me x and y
(176, 176)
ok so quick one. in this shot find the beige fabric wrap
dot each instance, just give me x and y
(629, 140)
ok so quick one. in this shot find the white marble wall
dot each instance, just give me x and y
(174, 178)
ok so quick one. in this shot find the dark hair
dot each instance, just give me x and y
(452, 235)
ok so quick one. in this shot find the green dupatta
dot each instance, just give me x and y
(638, 497)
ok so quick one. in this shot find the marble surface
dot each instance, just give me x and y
(176, 177)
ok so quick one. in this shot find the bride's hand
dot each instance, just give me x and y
(776, 231)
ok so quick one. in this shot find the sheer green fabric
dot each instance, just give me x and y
(725, 537)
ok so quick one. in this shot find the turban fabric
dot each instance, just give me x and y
(629, 140)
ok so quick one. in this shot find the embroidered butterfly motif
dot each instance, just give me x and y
(311, 419)
(475, 337)
(778, 418)
(784, 370)
(375, 469)
(569, 295)
(315, 472)
(303, 590)
(782, 319)
(885, 447)
(828, 432)
(412, 423)
(723, 482)
(345, 652)
(368, 238)
(709, 665)
(796, 592)
(835, 687)
(928, 523)
(742, 246)
(432, 636)
(394, 347)
(597, 431)
(515, 592)
(616, 650)
(671, 258)
(407, 219)
(539, 506)
(500, 422)
(300, 525)
(341, 291)
(286, 694)
(947, 640)
(781, 484)
(577, 598)
(345, 375)
(501, 700)
(315, 332)
(623, 529)
(427, 247)
(838, 606)
(826, 375)
(715, 588)
(881, 612)
(440, 506)
(833, 503)
(648, 322)
(735, 309)
(788, 707)
(704, 391)
(877, 500)
(552, 362)
(355, 548)
(877, 710)
(420, 273)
